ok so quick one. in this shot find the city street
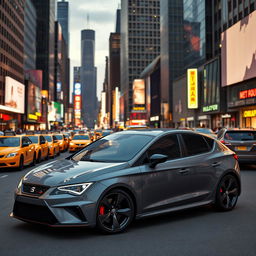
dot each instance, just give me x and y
(201, 231)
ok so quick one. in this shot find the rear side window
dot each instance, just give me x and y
(209, 141)
(195, 144)
(240, 135)
(167, 145)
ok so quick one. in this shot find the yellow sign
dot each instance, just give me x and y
(250, 113)
(32, 117)
(192, 88)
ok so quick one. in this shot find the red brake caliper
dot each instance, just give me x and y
(102, 210)
(221, 190)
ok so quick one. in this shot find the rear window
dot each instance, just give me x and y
(195, 144)
(240, 135)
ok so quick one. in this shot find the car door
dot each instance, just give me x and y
(28, 154)
(44, 146)
(168, 184)
(203, 163)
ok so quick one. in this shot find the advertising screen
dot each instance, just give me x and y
(14, 95)
(238, 51)
(34, 102)
(138, 92)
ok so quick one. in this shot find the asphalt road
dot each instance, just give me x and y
(201, 231)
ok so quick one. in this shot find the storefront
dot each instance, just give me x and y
(242, 104)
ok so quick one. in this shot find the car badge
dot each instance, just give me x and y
(32, 189)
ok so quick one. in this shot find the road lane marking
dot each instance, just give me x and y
(4, 176)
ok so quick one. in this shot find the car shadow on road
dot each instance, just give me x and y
(83, 232)
(248, 167)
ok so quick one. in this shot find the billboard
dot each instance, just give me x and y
(34, 102)
(138, 92)
(77, 89)
(14, 95)
(192, 88)
(238, 51)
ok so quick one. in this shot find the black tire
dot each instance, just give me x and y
(39, 158)
(227, 193)
(115, 212)
(58, 152)
(34, 160)
(21, 164)
(47, 156)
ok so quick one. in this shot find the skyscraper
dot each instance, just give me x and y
(140, 44)
(88, 74)
(63, 19)
(45, 10)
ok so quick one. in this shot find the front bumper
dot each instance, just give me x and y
(57, 210)
(12, 162)
(75, 148)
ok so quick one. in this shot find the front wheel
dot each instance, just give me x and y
(115, 212)
(227, 193)
(21, 164)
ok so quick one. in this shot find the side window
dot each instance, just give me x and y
(167, 145)
(26, 140)
(42, 139)
(195, 144)
(209, 141)
(54, 138)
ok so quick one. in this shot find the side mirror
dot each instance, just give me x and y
(25, 144)
(42, 142)
(55, 141)
(157, 159)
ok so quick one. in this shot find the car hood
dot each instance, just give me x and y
(8, 150)
(65, 172)
(80, 141)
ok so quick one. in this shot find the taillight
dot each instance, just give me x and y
(235, 156)
(225, 142)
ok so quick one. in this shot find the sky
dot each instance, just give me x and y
(102, 15)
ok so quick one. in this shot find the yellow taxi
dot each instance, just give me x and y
(79, 141)
(41, 145)
(54, 145)
(16, 151)
(97, 134)
(62, 142)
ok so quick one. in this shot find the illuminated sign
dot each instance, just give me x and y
(138, 92)
(251, 93)
(77, 89)
(139, 108)
(192, 88)
(250, 113)
(210, 108)
(32, 117)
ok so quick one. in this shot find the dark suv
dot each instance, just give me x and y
(241, 141)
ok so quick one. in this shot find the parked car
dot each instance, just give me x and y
(241, 141)
(127, 175)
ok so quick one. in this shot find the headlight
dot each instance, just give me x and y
(71, 144)
(20, 184)
(11, 155)
(76, 189)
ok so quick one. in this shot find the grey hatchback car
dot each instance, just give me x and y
(241, 141)
(127, 175)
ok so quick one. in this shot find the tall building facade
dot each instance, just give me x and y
(45, 43)
(140, 44)
(63, 18)
(29, 36)
(88, 74)
(12, 89)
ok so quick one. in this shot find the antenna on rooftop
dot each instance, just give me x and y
(88, 21)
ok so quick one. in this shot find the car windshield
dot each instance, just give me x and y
(48, 138)
(240, 135)
(81, 137)
(9, 142)
(34, 139)
(105, 133)
(202, 130)
(59, 137)
(114, 148)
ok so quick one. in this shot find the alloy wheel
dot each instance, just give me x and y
(115, 212)
(227, 193)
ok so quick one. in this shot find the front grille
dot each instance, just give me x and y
(35, 190)
(34, 213)
(80, 144)
(1, 156)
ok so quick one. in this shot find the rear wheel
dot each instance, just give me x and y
(227, 193)
(39, 158)
(21, 164)
(115, 212)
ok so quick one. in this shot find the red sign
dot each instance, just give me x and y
(251, 93)
(77, 102)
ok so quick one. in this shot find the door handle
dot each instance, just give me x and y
(184, 171)
(215, 164)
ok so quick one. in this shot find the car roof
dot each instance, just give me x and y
(156, 132)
